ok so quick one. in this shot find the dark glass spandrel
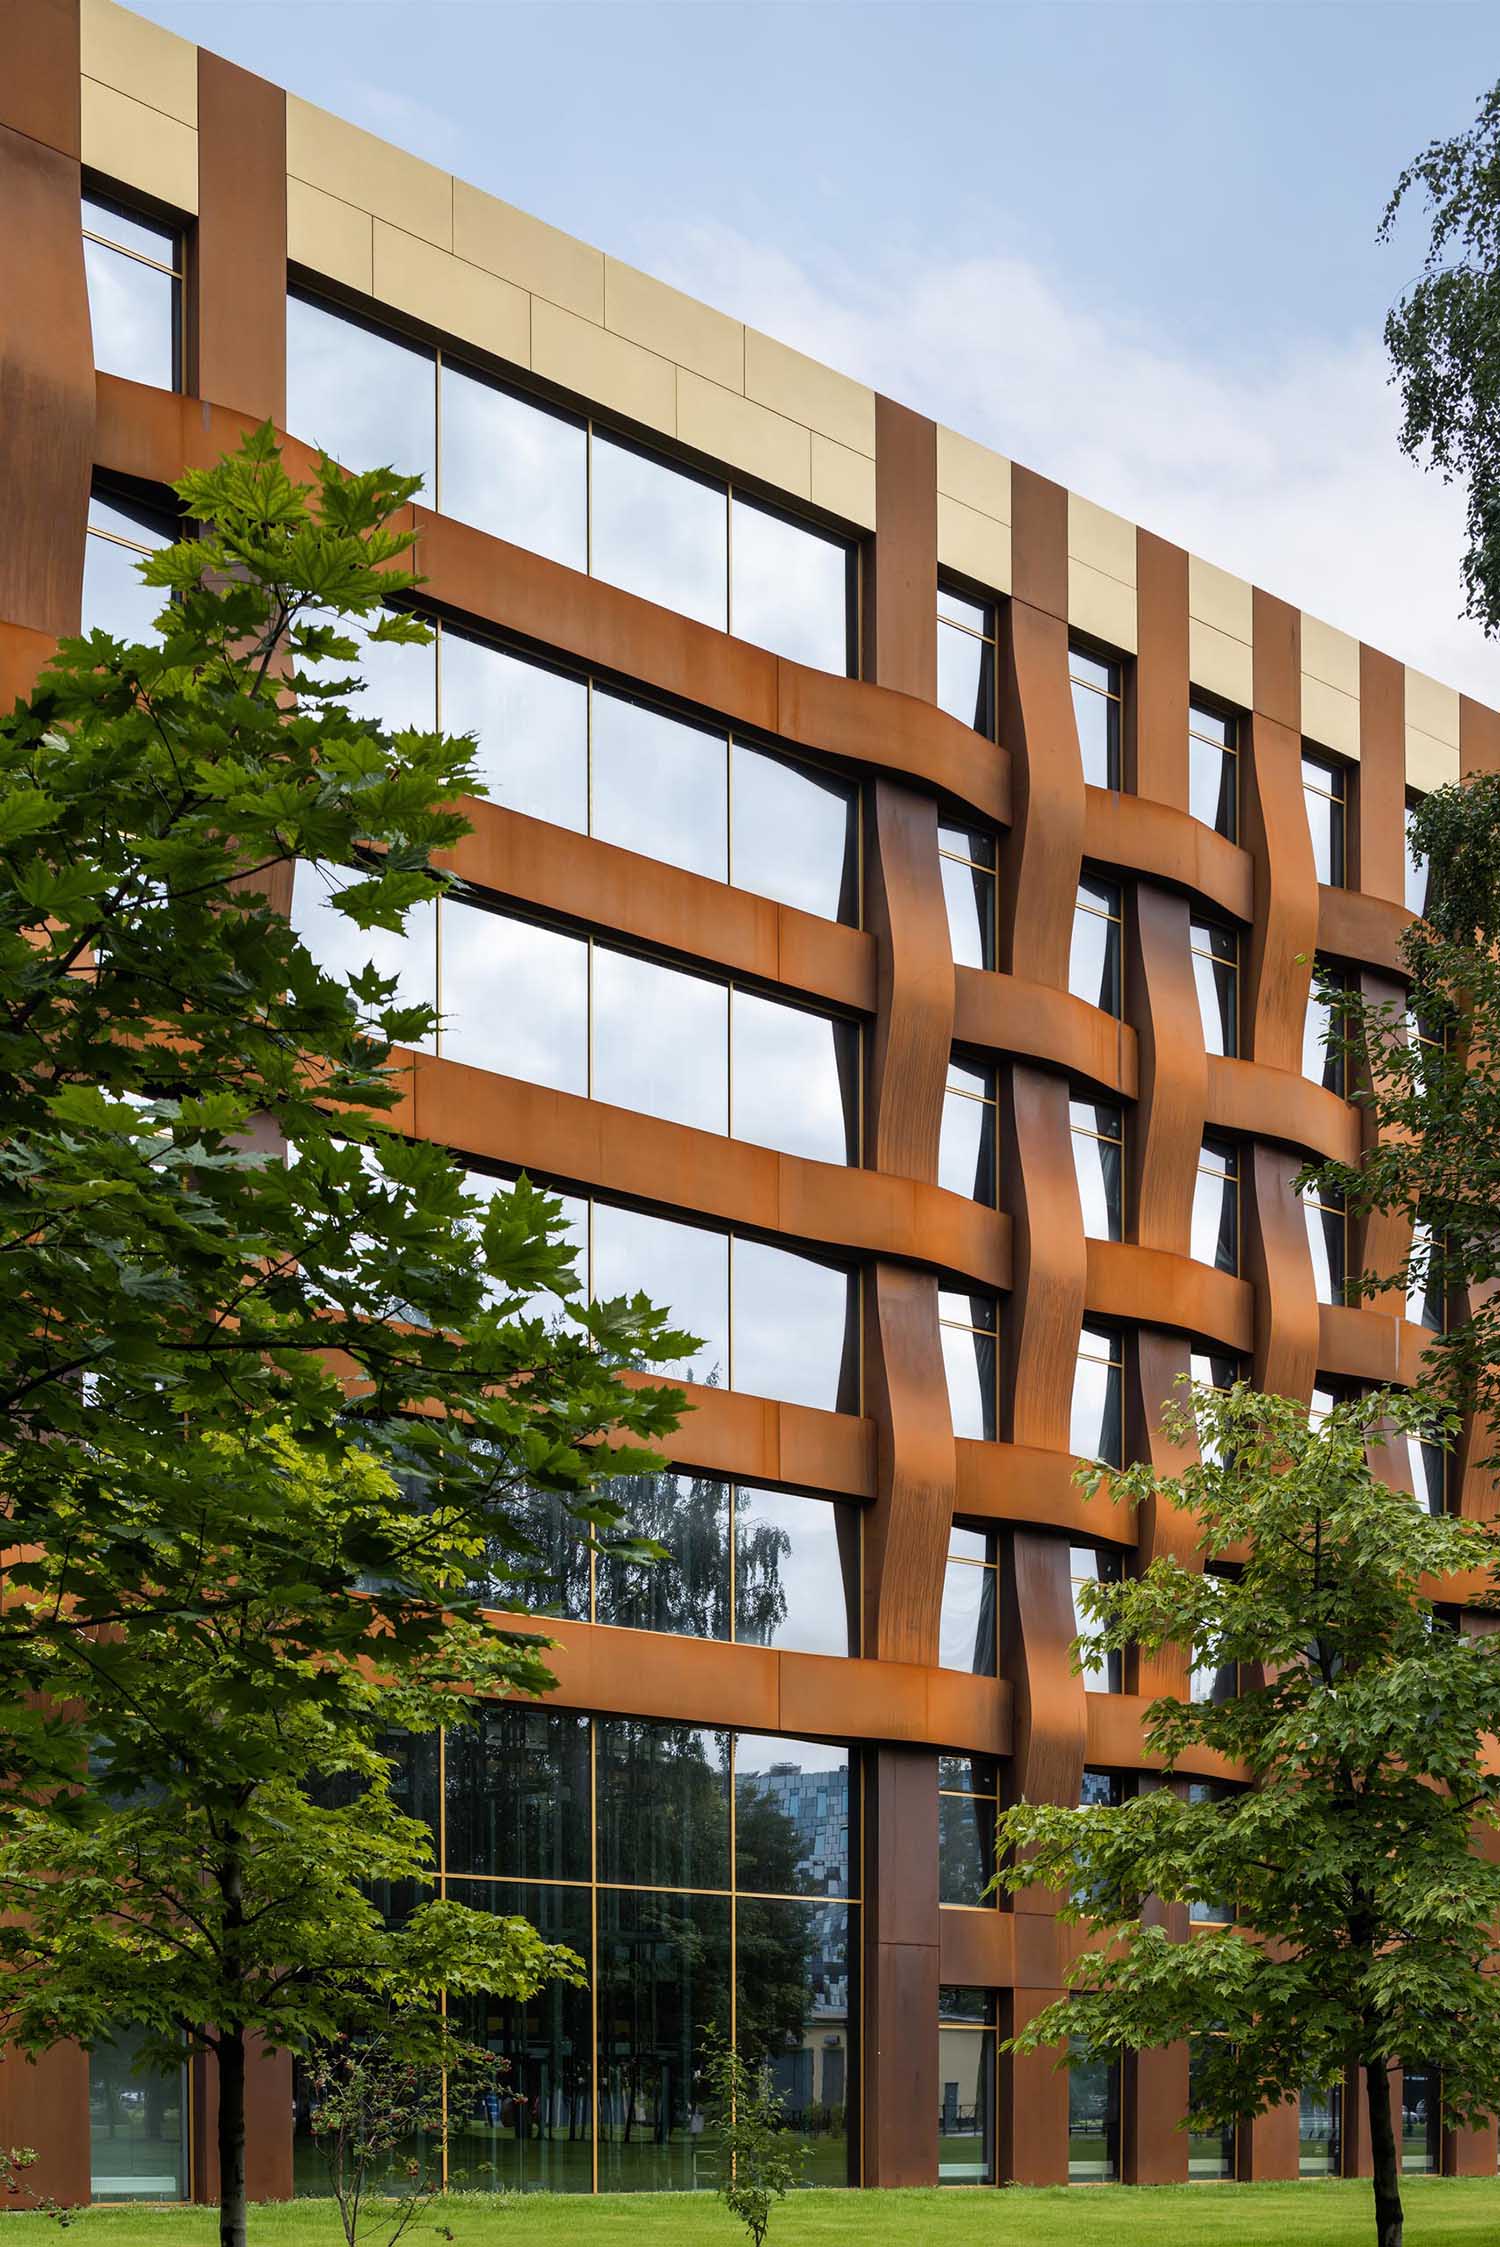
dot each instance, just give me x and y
(514, 467)
(540, 1566)
(795, 834)
(687, 1592)
(660, 785)
(364, 395)
(532, 725)
(791, 587)
(663, 1795)
(792, 1816)
(796, 1572)
(658, 531)
(664, 1973)
(517, 1794)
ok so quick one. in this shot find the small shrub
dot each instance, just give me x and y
(758, 2164)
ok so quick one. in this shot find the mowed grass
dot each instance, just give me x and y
(1440, 2212)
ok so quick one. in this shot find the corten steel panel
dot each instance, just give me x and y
(268, 2135)
(22, 656)
(1049, 1718)
(1266, 2150)
(1039, 543)
(1261, 1102)
(1377, 858)
(1033, 2099)
(912, 1035)
(1478, 737)
(1361, 1345)
(556, 870)
(1113, 1731)
(46, 387)
(1040, 1324)
(977, 1948)
(39, 79)
(1156, 1368)
(906, 1530)
(1157, 727)
(1019, 1483)
(238, 336)
(1038, 1022)
(901, 1968)
(1164, 1132)
(1154, 2097)
(726, 1432)
(1278, 1264)
(905, 552)
(1128, 1282)
(1166, 844)
(1363, 930)
(1277, 972)
(588, 1143)
(1041, 857)
(44, 2104)
(1469, 2153)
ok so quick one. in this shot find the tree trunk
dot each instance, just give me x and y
(231, 2056)
(1384, 2168)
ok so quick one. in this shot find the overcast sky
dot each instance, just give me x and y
(1129, 242)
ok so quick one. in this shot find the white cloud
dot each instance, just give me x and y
(1283, 469)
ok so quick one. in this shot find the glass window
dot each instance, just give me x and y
(517, 1790)
(795, 1327)
(969, 1327)
(661, 1040)
(1325, 1398)
(1327, 1240)
(1421, 2121)
(1322, 1061)
(1426, 1304)
(1098, 1429)
(1102, 1672)
(794, 833)
(1325, 792)
(364, 394)
(514, 996)
(532, 725)
(1093, 2117)
(1320, 2132)
(1094, 965)
(967, 1149)
(120, 532)
(795, 1079)
(966, 660)
(791, 587)
(1098, 1159)
(343, 949)
(796, 1571)
(967, 864)
(1416, 865)
(658, 531)
(1210, 1911)
(133, 267)
(791, 1800)
(685, 1267)
(1216, 1206)
(1210, 1371)
(1210, 2151)
(687, 1592)
(513, 467)
(665, 1970)
(1096, 707)
(1213, 769)
(138, 2139)
(968, 1808)
(968, 1633)
(663, 1804)
(660, 785)
(1216, 972)
(1429, 1472)
(966, 2087)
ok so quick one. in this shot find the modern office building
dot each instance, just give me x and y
(890, 925)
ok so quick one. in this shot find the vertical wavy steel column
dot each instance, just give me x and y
(237, 328)
(1158, 732)
(906, 1530)
(46, 347)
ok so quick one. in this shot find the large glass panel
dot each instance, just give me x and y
(794, 1327)
(1322, 1061)
(1216, 953)
(658, 531)
(1210, 2152)
(1429, 1473)
(516, 1789)
(546, 1571)
(966, 1149)
(532, 2131)
(1216, 1207)
(341, 948)
(532, 724)
(966, 661)
(514, 467)
(1096, 708)
(1097, 1431)
(1102, 1671)
(1094, 962)
(687, 1592)
(1416, 866)
(1326, 1240)
(796, 1572)
(545, 1303)
(1093, 2117)
(660, 786)
(663, 1804)
(399, 690)
(1098, 1160)
(366, 396)
(682, 1268)
(138, 2137)
(791, 587)
(793, 2015)
(663, 1974)
(1425, 1305)
(795, 834)
(114, 599)
(1213, 770)
(968, 1623)
(966, 2101)
(796, 1079)
(792, 1816)
(1324, 793)
(661, 1040)
(1421, 2121)
(967, 865)
(1320, 2132)
(131, 267)
(968, 1807)
(968, 1332)
(514, 997)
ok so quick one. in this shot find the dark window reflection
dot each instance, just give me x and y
(967, 864)
(966, 2087)
(1098, 1130)
(1093, 2117)
(794, 1977)
(1216, 1206)
(1210, 2152)
(541, 1564)
(516, 1785)
(1421, 2120)
(1325, 793)
(1216, 959)
(1323, 1059)
(792, 1816)
(138, 2124)
(968, 1807)
(664, 1968)
(796, 1572)
(688, 1591)
(1320, 2134)
(663, 1804)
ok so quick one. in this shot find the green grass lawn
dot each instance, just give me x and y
(1440, 2213)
